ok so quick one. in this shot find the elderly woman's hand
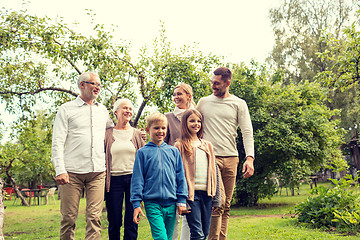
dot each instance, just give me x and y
(143, 134)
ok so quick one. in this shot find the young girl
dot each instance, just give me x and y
(201, 174)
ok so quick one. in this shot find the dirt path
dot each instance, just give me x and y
(270, 215)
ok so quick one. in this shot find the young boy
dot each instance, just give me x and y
(158, 179)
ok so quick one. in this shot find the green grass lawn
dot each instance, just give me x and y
(278, 204)
(268, 221)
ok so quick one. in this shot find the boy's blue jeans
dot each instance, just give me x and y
(161, 219)
(200, 216)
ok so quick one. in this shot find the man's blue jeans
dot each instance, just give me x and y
(120, 186)
(200, 216)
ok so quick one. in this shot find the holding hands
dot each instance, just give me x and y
(182, 210)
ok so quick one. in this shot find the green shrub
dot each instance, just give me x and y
(327, 210)
(348, 221)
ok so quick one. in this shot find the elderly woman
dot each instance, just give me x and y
(121, 144)
(183, 99)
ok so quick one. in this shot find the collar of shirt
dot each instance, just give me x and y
(80, 102)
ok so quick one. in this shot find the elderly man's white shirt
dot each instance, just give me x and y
(78, 137)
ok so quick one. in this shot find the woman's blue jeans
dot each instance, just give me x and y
(200, 216)
(120, 187)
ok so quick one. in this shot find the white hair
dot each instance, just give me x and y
(120, 102)
(85, 77)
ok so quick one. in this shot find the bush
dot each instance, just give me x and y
(330, 208)
(349, 221)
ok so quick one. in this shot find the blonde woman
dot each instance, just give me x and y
(183, 99)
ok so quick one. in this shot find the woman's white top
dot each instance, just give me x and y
(123, 153)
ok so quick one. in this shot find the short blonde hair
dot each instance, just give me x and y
(120, 102)
(155, 117)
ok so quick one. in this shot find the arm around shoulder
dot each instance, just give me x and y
(199, 104)
(139, 138)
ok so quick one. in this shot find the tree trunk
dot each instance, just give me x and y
(142, 106)
(2, 209)
(18, 193)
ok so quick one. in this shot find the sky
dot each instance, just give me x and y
(239, 30)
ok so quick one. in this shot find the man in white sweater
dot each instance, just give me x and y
(223, 114)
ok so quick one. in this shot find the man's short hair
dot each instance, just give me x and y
(85, 77)
(154, 118)
(224, 72)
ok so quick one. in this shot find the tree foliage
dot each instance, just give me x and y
(165, 67)
(298, 27)
(41, 59)
(25, 158)
(29, 151)
(343, 78)
(293, 131)
(345, 54)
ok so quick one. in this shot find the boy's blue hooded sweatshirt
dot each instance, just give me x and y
(158, 176)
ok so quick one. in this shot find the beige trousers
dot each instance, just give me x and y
(70, 194)
(220, 218)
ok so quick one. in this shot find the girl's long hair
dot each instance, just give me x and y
(185, 137)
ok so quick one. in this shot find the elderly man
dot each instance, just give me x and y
(78, 156)
(223, 114)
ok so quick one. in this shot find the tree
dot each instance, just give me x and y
(163, 67)
(8, 156)
(298, 26)
(293, 131)
(41, 59)
(25, 159)
(343, 78)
